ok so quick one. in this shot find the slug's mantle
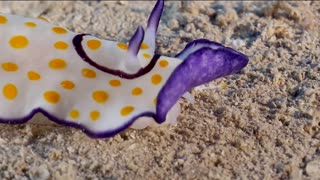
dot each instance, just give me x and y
(96, 85)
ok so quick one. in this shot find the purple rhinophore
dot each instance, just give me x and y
(135, 42)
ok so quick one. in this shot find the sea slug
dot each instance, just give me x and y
(97, 85)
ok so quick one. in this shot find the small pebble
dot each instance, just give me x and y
(313, 168)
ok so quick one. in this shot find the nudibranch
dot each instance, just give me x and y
(96, 85)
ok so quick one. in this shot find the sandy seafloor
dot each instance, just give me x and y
(262, 123)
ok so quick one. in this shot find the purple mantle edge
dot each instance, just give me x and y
(92, 134)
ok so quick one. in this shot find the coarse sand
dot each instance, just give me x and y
(262, 123)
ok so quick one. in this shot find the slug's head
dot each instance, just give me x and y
(203, 61)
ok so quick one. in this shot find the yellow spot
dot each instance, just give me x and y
(115, 83)
(57, 63)
(59, 30)
(51, 96)
(93, 44)
(74, 114)
(163, 63)
(33, 75)
(88, 73)
(156, 79)
(30, 24)
(43, 19)
(100, 96)
(67, 84)
(18, 41)
(60, 45)
(94, 115)
(122, 46)
(8, 66)
(125, 111)
(10, 91)
(144, 46)
(136, 91)
(3, 19)
(223, 84)
(155, 101)
(147, 56)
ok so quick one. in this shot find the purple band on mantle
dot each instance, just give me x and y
(79, 49)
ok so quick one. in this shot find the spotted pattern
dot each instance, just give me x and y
(115, 83)
(147, 56)
(3, 19)
(88, 73)
(144, 46)
(94, 115)
(100, 96)
(93, 44)
(30, 24)
(163, 63)
(59, 30)
(136, 91)
(74, 114)
(32, 75)
(156, 79)
(61, 45)
(67, 84)
(57, 63)
(19, 42)
(122, 46)
(125, 111)
(9, 66)
(52, 97)
(10, 91)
